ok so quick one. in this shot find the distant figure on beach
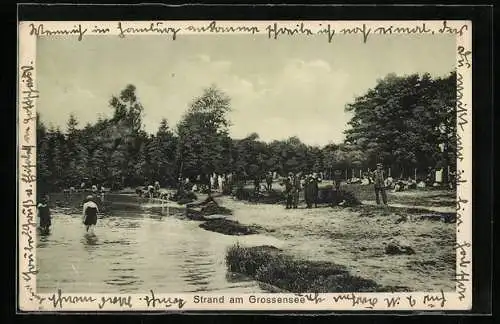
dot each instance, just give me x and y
(90, 210)
(289, 191)
(157, 188)
(411, 184)
(311, 190)
(256, 185)
(220, 182)
(269, 181)
(212, 181)
(379, 184)
(151, 191)
(44, 214)
(296, 189)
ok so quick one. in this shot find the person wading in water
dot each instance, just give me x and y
(90, 211)
(44, 214)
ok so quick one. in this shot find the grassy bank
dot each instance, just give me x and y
(270, 265)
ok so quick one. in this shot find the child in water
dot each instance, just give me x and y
(44, 214)
(90, 211)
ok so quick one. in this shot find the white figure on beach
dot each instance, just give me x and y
(220, 181)
(212, 181)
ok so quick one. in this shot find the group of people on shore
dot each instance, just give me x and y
(295, 183)
(309, 183)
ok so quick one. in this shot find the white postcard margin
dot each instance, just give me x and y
(30, 300)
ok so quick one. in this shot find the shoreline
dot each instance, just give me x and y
(355, 237)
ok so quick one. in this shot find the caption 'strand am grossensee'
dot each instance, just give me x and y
(30, 300)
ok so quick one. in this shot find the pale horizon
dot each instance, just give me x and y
(278, 89)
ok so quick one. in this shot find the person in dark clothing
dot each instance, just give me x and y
(288, 192)
(311, 190)
(256, 185)
(157, 189)
(269, 181)
(379, 184)
(90, 210)
(308, 191)
(44, 214)
(296, 190)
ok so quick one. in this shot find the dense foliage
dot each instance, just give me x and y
(406, 122)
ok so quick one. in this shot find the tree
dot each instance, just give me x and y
(126, 135)
(398, 122)
(202, 133)
(162, 152)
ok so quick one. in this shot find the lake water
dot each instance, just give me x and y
(134, 250)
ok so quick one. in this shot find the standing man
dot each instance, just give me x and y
(256, 184)
(289, 191)
(296, 190)
(269, 181)
(379, 184)
(308, 191)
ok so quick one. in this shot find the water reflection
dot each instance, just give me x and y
(133, 249)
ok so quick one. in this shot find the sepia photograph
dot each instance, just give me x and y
(234, 163)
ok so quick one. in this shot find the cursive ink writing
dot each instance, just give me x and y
(33, 295)
(122, 301)
(59, 299)
(327, 30)
(152, 301)
(431, 300)
(460, 201)
(274, 31)
(461, 107)
(463, 57)
(356, 30)
(411, 301)
(28, 95)
(27, 174)
(421, 29)
(460, 278)
(40, 30)
(312, 297)
(357, 300)
(461, 248)
(393, 301)
(445, 29)
(26, 230)
(212, 27)
(152, 28)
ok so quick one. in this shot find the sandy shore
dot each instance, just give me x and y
(356, 238)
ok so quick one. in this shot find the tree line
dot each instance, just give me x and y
(404, 122)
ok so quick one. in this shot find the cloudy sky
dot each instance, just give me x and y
(289, 87)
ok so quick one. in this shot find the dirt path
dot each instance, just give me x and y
(344, 236)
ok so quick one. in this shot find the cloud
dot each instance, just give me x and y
(303, 98)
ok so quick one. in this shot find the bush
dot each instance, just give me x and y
(269, 265)
(227, 227)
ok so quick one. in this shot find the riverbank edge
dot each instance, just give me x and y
(272, 266)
